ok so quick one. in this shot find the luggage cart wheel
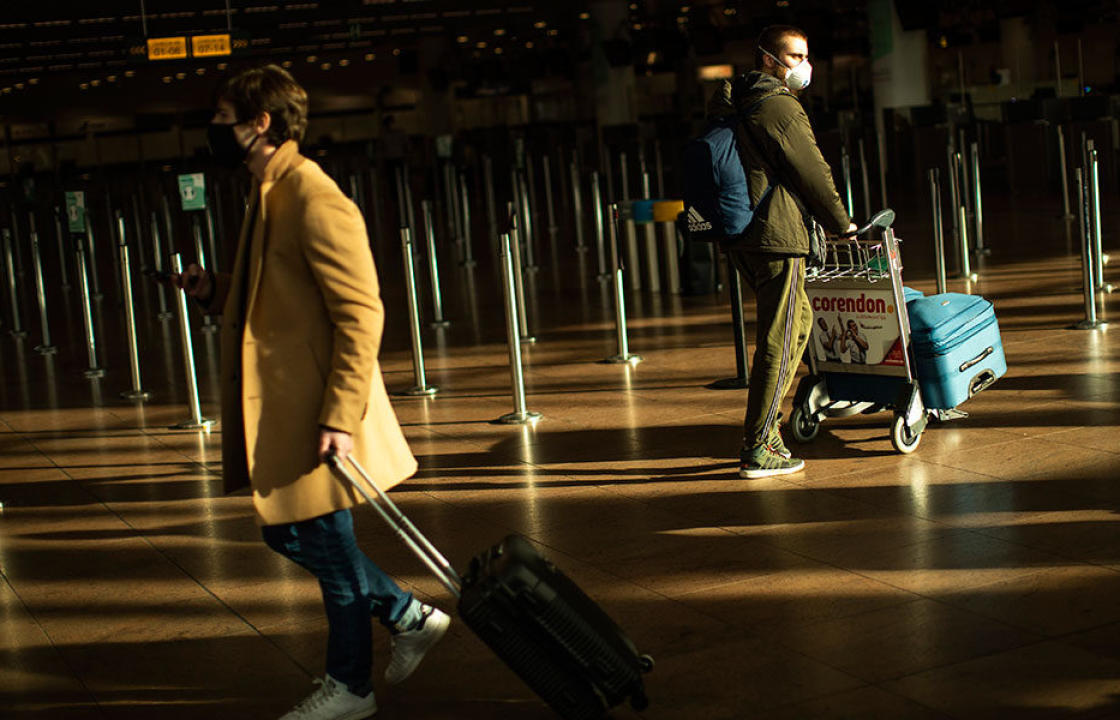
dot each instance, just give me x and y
(903, 437)
(803, 424)
(645, 663)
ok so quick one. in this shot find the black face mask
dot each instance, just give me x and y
(225, 148)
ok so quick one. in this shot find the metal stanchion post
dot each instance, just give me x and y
(659, 168)
(669, 244)
(954, 191)
(402, 207)
(520, 414)
(45, 348)
(410, 206)
(1091, 322)
(136, 393)
(881, 151)
(577, 206)
(421, 387)
(13, 290)
(938, 228)
(94, 370)
(196, 228)
(549, 205)
(960, 216)
(212, 236)
(1095, 196)
(978, 202)
(846, 164)
(17, 246)
(157, 263)
(738, 326)
(600, 242)
(531, 195)
(95, 284)
(519, 277)
(438, 320)
(527, 213)
(491, 202)
(465, 205)
(138, 230)
(864, 179)
(60, 237)
(1064, 167)
(623, 355)
(196, 421)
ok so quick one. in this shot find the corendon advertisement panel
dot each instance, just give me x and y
(856, 329)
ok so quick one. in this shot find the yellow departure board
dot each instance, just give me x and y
(167, 48)
(210, 45)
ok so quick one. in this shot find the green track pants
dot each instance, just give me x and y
(784, 322)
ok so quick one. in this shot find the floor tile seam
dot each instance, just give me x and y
(54, 646)
(151, 433)
(1016, 647)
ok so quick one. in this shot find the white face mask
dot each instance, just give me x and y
(797, 78)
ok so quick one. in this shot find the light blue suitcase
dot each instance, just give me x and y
(957, 347)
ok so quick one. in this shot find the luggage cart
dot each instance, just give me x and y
(859, 345)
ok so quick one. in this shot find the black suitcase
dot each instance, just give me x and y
(535, 618)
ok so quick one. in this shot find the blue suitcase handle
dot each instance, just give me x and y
(987, 351)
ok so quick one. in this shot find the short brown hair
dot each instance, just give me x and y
(772, 39)
(273, 90)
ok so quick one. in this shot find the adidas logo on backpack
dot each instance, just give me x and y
(696, 222)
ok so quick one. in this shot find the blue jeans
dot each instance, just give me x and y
(354, 591)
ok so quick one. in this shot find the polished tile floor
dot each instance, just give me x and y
(976, 578)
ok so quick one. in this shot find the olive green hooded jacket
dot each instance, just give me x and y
(779, 149)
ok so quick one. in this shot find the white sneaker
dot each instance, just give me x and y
(409, 647)
(333, 701)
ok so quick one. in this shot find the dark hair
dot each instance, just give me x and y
(772, 39)
(269, 89)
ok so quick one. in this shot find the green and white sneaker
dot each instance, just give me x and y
(765, 460)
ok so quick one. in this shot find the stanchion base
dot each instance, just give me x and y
(731, 383)
(581, 248)
(532, 268)
(971, 277)
(203, 424)
(517, 418)
(603, 277)
(985, 251)
(46, 349)
(97, 296)
(136, 395)
(165, 316)
(94, 373)
(1104, 258)
(440, 324)
(1089, 325)
(418, 391)
(628, 359)
(18, 333)
(469, 263)
(211, 328)
(1106, 288)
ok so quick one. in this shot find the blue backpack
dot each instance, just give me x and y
(717, 203)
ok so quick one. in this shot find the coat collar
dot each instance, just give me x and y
(284, 160)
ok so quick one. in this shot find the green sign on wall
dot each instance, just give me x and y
(76, 211)
(192, 191)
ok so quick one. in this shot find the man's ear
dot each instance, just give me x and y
(262, 123)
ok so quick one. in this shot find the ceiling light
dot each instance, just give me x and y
(462, 39)
(33, 81)
(200, 71)
(685, 8)
(312, 58)
(343, 62)
(396, 52)
(325, 66)
(178, 76)
(584, 16)
(222, 66)
(499, 31)
(540, 25)
(553, 32)
(497, 51)
(633, 6)
(166, 79)
(19, 86)
(370, 56)
(129, 73)
(481, 44)
(529, 44)
(637, 26)
(93, 83)
(286, 64)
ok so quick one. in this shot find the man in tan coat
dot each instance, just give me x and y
(301, 328)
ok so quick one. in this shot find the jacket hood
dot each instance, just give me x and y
(756, 85)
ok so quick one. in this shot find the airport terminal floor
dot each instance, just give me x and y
(978, 577)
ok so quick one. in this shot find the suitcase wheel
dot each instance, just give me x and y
(804, 424)
(639, 701)
(645, 663)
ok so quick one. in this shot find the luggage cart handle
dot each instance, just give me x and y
(401, 525)
(882, 219)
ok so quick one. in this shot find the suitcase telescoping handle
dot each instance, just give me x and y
(401, 525)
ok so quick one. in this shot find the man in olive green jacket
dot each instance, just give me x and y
(789, 183)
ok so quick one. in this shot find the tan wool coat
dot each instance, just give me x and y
(301, 328)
